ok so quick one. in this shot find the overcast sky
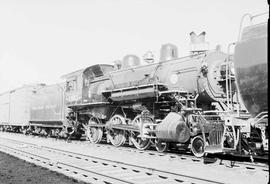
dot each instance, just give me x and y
(42, 40)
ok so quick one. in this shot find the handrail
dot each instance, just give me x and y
(228, 79)
(261, 114)
(259, 119)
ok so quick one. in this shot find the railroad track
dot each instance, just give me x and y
(93, 169)
(220, 160)
(96, 169)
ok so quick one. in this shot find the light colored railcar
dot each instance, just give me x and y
(15, 107)
(4, 108)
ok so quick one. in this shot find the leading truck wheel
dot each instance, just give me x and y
(197, 146)
(161, 146)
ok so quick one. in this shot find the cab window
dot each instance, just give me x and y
(72, 85)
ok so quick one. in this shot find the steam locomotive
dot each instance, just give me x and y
(191, 102)
(148, 103)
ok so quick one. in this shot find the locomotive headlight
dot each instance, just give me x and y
(174, 78)
(204, 68)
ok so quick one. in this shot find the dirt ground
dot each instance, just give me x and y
(16, 171)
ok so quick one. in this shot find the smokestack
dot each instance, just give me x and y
(198, 43)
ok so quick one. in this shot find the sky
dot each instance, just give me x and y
(42, 40)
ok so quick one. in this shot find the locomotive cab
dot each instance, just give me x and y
(95, 81)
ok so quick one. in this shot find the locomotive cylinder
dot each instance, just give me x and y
(173, 128)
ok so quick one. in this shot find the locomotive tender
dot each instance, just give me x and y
(190, 102)
(36, 108)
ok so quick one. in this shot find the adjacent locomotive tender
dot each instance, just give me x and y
(194, 102)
